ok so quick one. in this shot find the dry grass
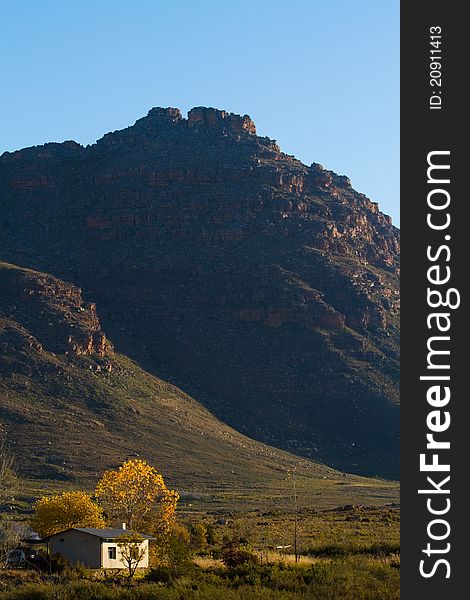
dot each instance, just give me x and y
(287, 559)
(205, 562)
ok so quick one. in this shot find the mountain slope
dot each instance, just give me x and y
(73, 408)
(266, 289)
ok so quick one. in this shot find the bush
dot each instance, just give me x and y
(327, 550)
(179, 556)
(173, 558)
(234, 556)
(216, 552)
(54, 563)
(383, 549)
(198, 538)
(161, 574)
(171, 555)
(337, 550)
(29, 592)
(347, 579)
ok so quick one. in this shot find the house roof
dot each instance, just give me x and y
(103, 533)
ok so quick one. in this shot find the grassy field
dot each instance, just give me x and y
(346, 553)
(342, 531)
(327, 489)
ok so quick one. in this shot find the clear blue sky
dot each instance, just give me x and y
(320, 76)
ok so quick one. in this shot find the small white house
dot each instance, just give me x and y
(95, 548)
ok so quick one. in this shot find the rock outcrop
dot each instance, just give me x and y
(51, 311)
(266, 288)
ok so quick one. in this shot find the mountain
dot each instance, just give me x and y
(71, 407)
(266, 289)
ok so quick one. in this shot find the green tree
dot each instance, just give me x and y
(8, 477)
(198, 537)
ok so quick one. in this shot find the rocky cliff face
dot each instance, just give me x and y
(266, 288)
(50, 313)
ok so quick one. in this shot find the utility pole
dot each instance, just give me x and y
(296, 513)
(296, 518)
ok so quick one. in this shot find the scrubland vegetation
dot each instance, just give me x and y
(347, 554)
(350, 552)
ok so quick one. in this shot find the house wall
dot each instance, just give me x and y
(78, 547)
(107, 563)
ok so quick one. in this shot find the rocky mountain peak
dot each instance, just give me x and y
(220, 119)
(170, 114)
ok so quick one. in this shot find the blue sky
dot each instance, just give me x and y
(320, 77)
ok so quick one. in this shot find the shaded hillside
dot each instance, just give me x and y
(72, 409)
(266, 289)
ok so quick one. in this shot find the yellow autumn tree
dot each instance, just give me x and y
(136, 494)
(62, 511)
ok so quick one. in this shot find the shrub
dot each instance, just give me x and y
(327, 550)
(198, 537)
(383, 549)
(75, 572)
(161, 574)
(211, 535)
(234, 556)
(54, 563)
(337, 550)
(29, 592)
(179, 556)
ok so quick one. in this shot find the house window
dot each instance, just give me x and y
(112, 553)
